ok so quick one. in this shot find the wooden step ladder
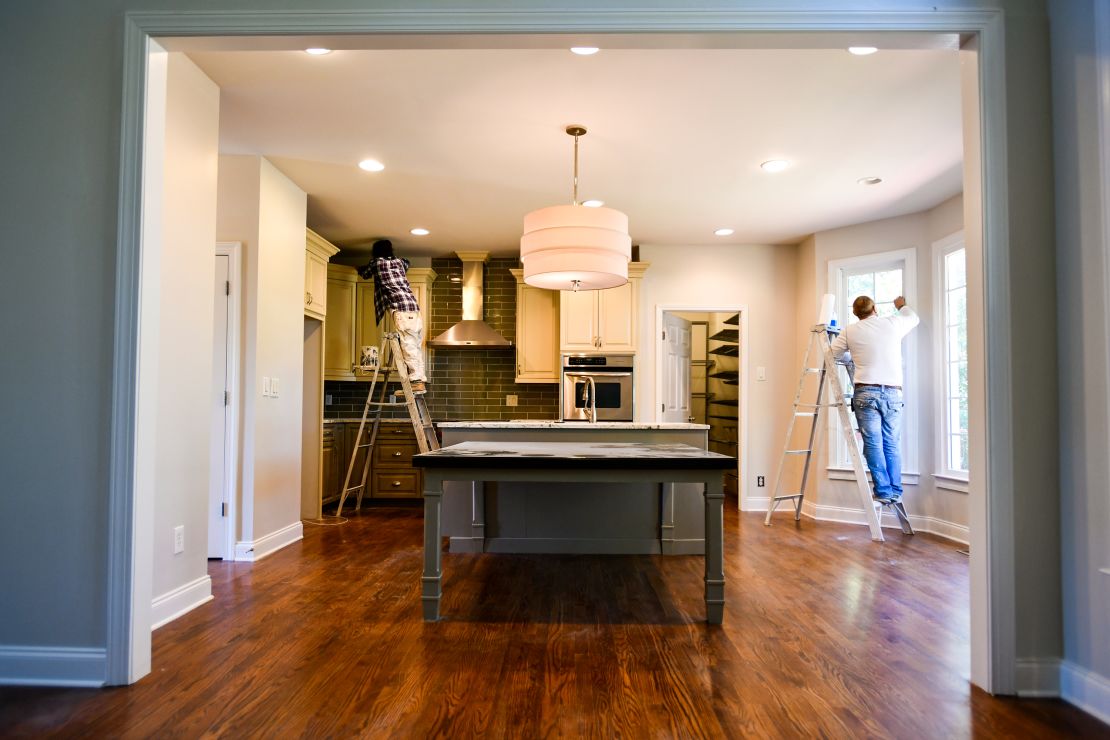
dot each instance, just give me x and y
(416, 405)
(820, 346)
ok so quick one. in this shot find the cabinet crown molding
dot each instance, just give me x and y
(318, 244)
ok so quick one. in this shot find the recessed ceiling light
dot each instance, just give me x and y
(585, 51)
(724, 232)
(774, 165)
(869, 180)
(419, 232)
(317, 51)
(371, 165)
(862, 51)
(593, 203)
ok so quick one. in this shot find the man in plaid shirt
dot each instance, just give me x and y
(393, 293)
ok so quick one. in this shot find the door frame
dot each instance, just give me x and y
(993, 598)
(234, 252)
(657, 341)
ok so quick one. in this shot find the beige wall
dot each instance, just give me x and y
(265, 211)
(760, 277)
(184, 391)
(1082, 238)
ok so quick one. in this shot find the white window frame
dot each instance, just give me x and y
(944, 477)
(838, 468)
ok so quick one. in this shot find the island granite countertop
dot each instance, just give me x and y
(577, 425)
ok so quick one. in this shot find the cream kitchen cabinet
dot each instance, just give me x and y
(602, 320)
(351, 320)
(318, 251)
(537, 332)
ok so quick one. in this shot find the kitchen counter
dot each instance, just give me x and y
(620, 516)
(551, 424)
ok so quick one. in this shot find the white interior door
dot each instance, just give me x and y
(217, 496)
(676, 368)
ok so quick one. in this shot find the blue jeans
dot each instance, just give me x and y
(879, 415)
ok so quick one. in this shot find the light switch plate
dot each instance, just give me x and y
(761, 373)
(510, 400)
(265, 385)
(273, 387)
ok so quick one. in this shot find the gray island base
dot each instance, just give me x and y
(571, 463)
(584, 518)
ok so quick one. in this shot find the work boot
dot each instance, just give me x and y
(418, 386)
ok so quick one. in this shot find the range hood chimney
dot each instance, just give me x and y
(471, 331)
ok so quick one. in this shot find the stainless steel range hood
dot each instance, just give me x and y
(471, 332)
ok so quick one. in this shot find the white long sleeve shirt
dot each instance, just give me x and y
(875, 345)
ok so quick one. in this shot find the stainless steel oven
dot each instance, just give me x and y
(597, 387)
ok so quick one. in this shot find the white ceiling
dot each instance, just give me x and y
(473, 138)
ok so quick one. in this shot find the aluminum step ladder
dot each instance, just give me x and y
(415, 403)
(820, 346)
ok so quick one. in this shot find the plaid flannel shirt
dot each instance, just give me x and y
(391, 287)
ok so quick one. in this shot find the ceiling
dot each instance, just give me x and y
(473, 138)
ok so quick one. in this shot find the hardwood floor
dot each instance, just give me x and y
(825, 634)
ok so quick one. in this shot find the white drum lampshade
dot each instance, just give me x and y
(572, 247)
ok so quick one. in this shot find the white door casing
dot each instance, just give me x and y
(220, 397)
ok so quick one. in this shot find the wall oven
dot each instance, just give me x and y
(597, 387)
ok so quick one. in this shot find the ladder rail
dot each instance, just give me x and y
(391, 360)
(828, 383)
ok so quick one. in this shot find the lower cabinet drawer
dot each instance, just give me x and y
(401, 483)
(394, 454)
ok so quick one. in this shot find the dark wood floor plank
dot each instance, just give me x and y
(826, 635)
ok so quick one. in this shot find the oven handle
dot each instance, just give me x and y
(598, 374)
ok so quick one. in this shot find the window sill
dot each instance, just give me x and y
(910, 479)
(950, 483)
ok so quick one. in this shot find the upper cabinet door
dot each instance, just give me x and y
(578, 325)
(617, 317)
(367, 331)
(315, 285)
(339, 329)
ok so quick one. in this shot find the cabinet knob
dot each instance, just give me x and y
(396, 483)
(396, 454)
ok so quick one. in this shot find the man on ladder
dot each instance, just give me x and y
(393, 293)
(874, 346)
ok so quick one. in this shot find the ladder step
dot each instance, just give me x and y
(353, 488)
(364, 446)
(783, 498)
(797, 452)
(812, 370)
(805, 413)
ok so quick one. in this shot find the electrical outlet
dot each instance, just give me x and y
(266, 385)
(760, 481)
(327, 399)
(179, 539)
(510, 400)
(273, 387)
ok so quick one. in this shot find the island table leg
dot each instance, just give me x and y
(431, 583)
(714, 550)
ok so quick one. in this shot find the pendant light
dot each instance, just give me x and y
(575, 247)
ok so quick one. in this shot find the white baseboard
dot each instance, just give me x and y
(172, 604)
(949, 530)
(1038, 677)
(1085, 689)
(270, 543)
(52, 666)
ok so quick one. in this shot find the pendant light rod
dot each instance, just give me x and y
(575, 131)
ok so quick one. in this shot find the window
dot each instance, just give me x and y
(951, 290)
(884, 277)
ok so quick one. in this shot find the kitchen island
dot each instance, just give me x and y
(604, 464)
(621, 517)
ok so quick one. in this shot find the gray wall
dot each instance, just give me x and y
(1082, 239)
(61, 72)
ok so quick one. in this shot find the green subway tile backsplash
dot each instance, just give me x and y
(465, 384)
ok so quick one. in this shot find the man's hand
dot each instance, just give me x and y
(899, 302)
